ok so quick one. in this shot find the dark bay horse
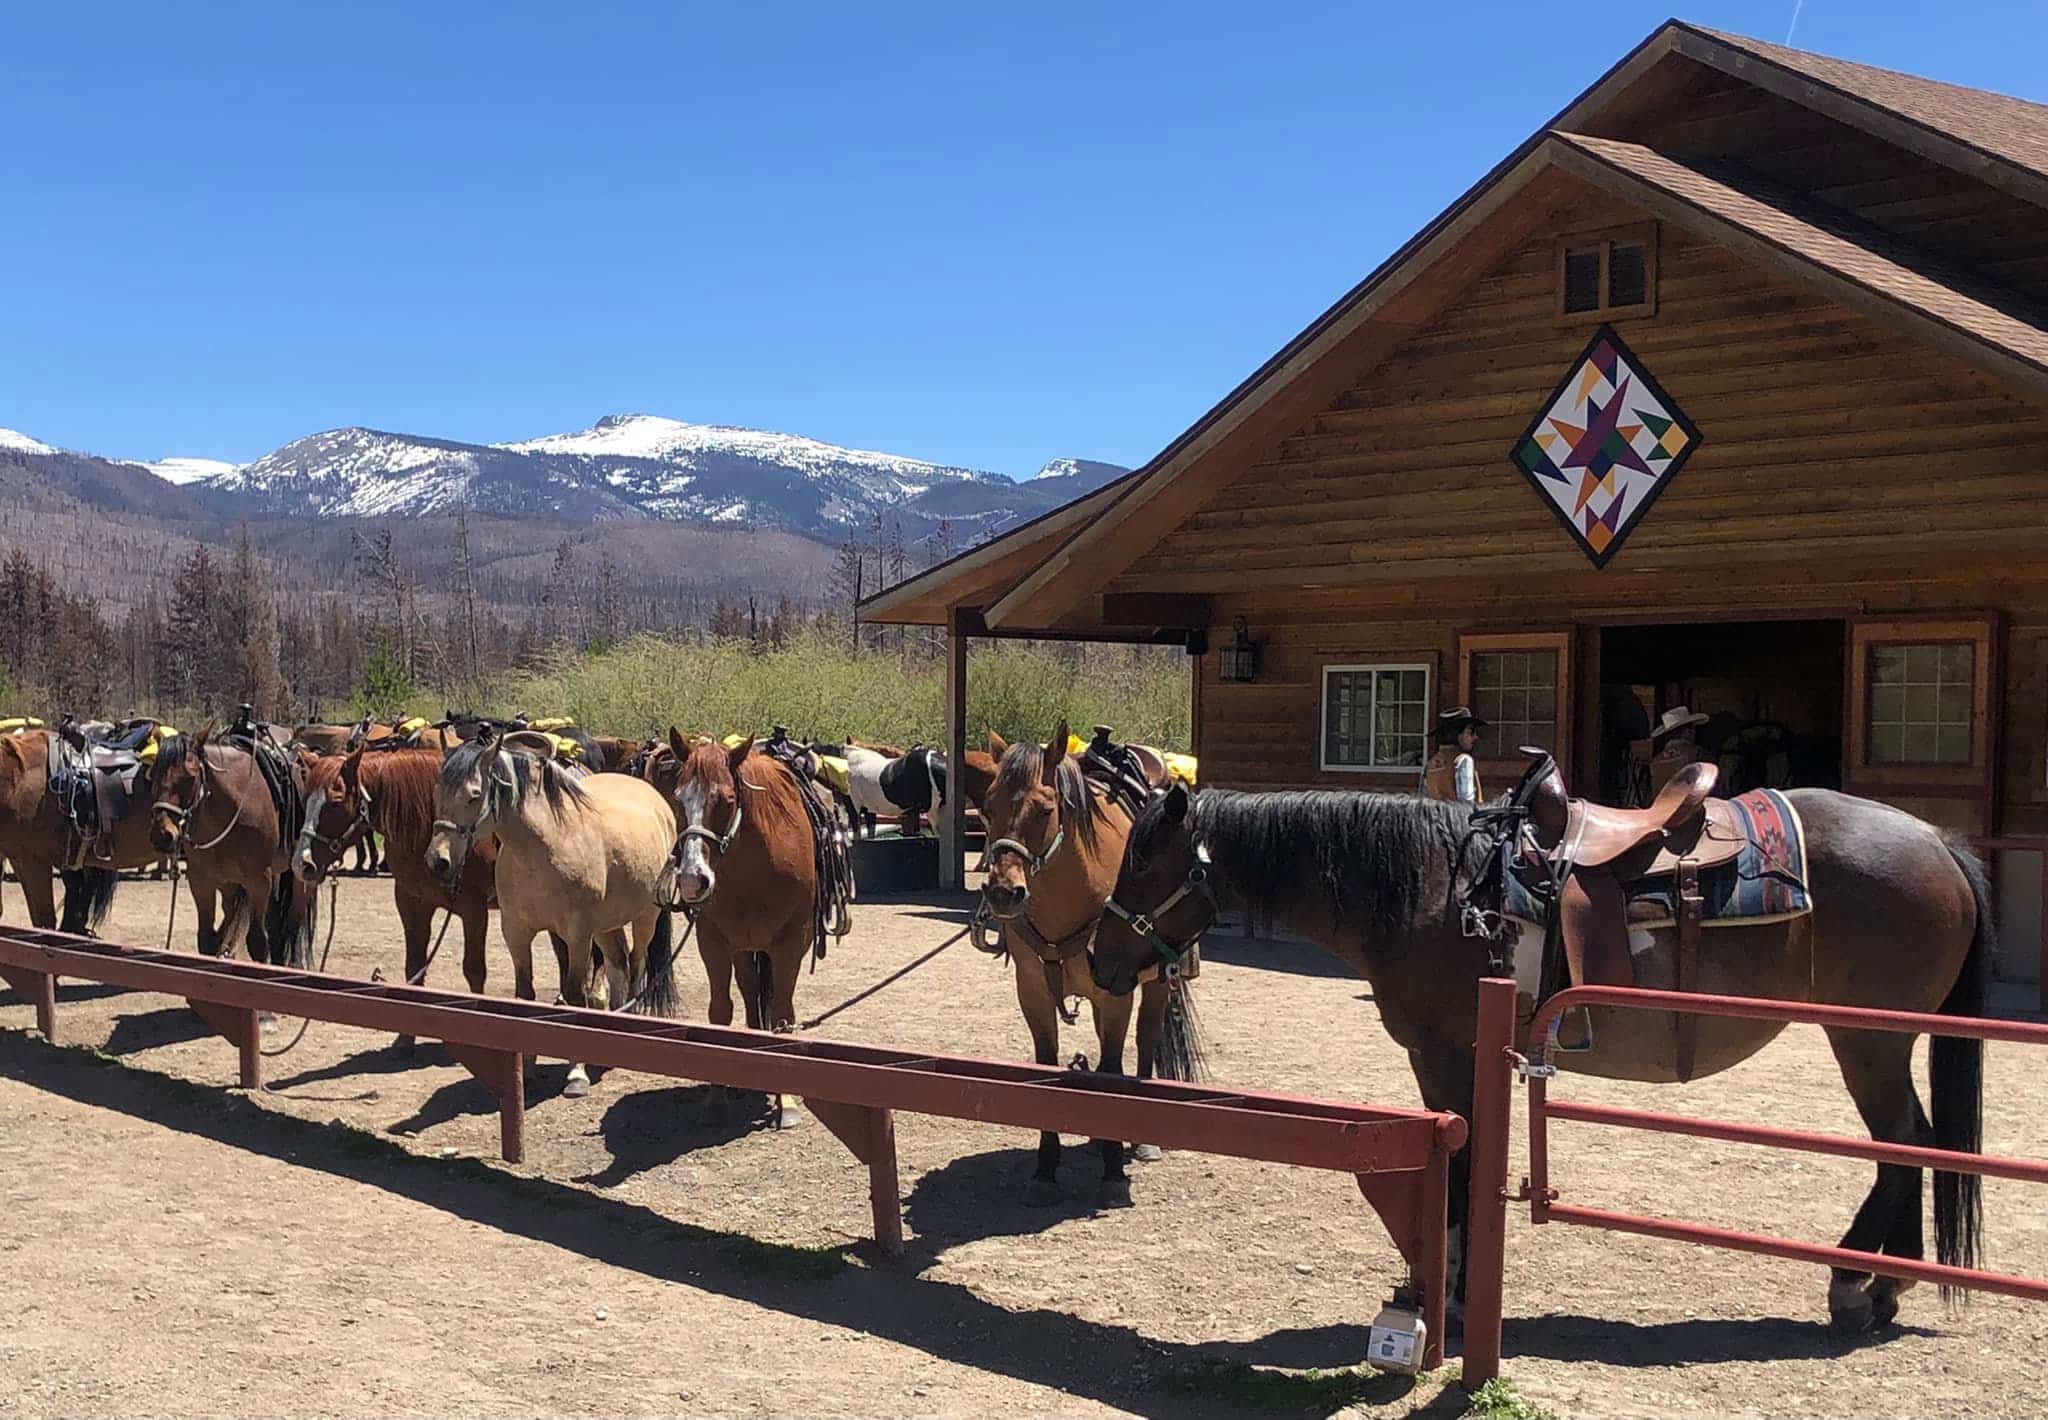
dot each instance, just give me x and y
(579, 856)
(391, 792)
(1055, 842)
(746, 868)
(1901, 920)
(215, 810)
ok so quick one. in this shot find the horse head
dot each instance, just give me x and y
(709, 812)
(337, 815)
(179, 779)
(1023, 819)
(465, 795)
(1163, 900)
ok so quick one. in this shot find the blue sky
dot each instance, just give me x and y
(985, 235)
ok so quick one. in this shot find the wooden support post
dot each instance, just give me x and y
(238, 1024)
(869, 1134)
(1486, 1217)
(503, 1073)
(952, 819)
(38, 989)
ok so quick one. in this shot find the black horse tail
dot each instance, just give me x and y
(764, 988)
(88, 894)
(290, 945)
(658, 996)
(1956, 1079)
(1183, 1052)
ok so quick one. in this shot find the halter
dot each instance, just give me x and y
(1146, 924)
(1032, 861)
(716, 843)
(468, 832)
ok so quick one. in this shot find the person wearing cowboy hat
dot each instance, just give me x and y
(1673, 745)
(1451, 772)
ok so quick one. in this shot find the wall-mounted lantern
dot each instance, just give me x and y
(1238, 658)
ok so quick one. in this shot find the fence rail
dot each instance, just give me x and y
(1400, 1157)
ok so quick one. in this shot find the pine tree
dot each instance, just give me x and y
(184, 675)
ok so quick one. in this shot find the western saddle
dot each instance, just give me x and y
(1595, 857)
(94, 772)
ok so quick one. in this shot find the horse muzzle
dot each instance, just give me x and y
(1004, 902)
(695, 886)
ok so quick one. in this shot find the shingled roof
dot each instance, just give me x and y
(1997, 125)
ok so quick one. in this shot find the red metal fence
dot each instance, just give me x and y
(1499, 1062)
(1400, 1157)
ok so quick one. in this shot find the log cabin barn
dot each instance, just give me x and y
(1728, 389)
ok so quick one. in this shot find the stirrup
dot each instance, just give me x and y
(1555, 1044)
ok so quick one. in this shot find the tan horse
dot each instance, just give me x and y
(578, 856)
(1055, 843)
(214, 810)
(746, 868)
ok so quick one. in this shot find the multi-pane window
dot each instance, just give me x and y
(1611, 273)
(1920, 703)
(1375, 717)
(1515, 692)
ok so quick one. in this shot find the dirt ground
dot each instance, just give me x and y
(347, 1243)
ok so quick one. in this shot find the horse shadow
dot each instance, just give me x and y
(980, 1196)
(82, 991)
(390, 1058)
(150, 1030)
(1273, 954)
(469, 1095)
(649, 1128)
(1563, 1336)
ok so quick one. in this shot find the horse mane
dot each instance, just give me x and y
(1368, 859)
(1023, 765)
(400, 784)
(556, 784)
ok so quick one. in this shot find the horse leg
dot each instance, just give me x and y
(1151, 1026)
(1041, 1016)
(1877, 1067)
(476, 935)
(416, 919)
(718, 971)
(38, 888)
(618, 969)
(746, 968)
(1112, 1029)
(576, 987)
(203, 899)
(782, 969)
(561, 967)
(1444, 1074)
(519, 942)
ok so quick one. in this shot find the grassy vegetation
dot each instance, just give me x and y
(822, 690)
(1499, 1400)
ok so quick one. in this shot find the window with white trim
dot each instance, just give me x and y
(1375, 718)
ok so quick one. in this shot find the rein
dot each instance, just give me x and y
(182, 814)
(1146, 924)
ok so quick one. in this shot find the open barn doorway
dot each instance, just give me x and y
(1771, 691)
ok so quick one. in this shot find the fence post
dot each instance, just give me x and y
(1487, 1208)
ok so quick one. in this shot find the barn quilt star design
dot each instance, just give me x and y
(1606, 444)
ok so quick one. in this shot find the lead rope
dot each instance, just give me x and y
(887, 981)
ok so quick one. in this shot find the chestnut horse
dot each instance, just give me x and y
(1901, 920)
(1055, 841)
(391, 792)
(41, 844)
(578, 856)
(214, 810)
(745, 868)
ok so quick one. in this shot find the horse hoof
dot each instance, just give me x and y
(1042, 1192)
(577, 1087)
(1884, 1308)
(266, 1022)
(1148, 1153)
(1114, 1193)
(788, 1116)
(1852, 1318)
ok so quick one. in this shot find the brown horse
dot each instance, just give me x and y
(1901, 919)
(391, 792)
(214, 810)
(1055, 842)
(745, 868)
(41, 844)
(578, 856)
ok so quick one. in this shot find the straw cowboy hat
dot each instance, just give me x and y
(1677, 718)
(1453, 722)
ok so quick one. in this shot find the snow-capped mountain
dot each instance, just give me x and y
(21, 443)
(642, 466)
(188, 470)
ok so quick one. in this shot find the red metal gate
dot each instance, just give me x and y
(1499, 1062)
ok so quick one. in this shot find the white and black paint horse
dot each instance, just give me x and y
(905, 788)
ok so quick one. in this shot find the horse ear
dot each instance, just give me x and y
(676, 744)
(997, 745)
(1176, 808)
(486, 736)
(737, 755)
(1056, 750)
(352, 769)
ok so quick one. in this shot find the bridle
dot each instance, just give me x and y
(339, 844)
(1170, 951)
(1033, 862)
(715, 844)
(468, 832)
